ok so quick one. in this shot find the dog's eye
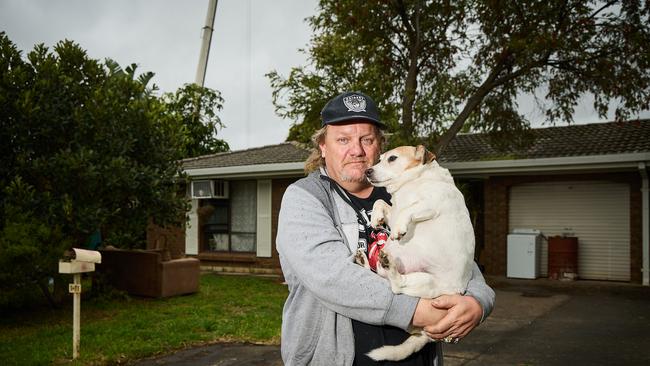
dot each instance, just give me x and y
(392, 158)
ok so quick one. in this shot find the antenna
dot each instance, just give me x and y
(206, 38)
(249, 70)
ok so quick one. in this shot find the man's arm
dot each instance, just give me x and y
(479, 290)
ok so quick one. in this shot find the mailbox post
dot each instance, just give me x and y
(76, 262)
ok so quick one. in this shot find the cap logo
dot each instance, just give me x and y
(355, 103)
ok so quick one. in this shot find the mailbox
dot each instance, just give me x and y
(76, 262)
(79, 261)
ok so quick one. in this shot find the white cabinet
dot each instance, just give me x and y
(523, 253)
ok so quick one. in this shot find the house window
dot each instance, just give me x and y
(231, 227)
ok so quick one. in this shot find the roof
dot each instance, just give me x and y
(610, 145)
(287, 152)
(554, 142)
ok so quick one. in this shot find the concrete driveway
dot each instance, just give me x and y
(535, 322)
(545, 322)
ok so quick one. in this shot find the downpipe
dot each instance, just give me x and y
(645, 217)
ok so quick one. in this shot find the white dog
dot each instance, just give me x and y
(432, 246)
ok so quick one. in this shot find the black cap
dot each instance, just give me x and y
(349, 106)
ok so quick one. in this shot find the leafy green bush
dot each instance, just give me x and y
(86, 147)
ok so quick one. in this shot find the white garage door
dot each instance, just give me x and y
(598, 213)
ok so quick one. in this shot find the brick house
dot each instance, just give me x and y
(588, 181)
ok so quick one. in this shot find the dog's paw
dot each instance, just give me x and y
(375, 223)
(380, 210)
(361, 259)
(399, 229)
(376, 220)
(389, 265)
(397, 233)
(384, 259)
(398, 266)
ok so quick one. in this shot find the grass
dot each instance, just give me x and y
(227, 308)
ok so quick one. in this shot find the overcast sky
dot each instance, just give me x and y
(251, 38)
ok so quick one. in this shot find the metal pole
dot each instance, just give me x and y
(76, 315)
(645, 225)
(205, 43)
(249, 71)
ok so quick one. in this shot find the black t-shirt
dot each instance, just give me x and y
(367, 337)
(363, 206)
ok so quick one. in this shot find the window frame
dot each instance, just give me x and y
(204, 234)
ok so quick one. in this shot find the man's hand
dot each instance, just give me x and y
(463, 314)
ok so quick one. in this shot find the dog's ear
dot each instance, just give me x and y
(423, 155)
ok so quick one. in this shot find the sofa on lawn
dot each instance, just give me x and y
(149, 272)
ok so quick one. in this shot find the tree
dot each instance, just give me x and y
(438, 67)
(196, 108)
(86, 146)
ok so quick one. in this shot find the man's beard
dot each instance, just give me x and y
(349, 179)
(357, 178)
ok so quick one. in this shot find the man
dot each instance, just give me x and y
(336, 310)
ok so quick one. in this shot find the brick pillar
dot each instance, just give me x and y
(496, 226)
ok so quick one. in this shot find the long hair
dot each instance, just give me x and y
(316, 160)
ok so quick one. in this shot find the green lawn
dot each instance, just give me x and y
(227, 308)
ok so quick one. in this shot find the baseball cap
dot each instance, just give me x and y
(349, 106)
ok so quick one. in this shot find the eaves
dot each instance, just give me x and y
(561, 165)
(276, 170)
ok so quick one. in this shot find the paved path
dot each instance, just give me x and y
(221, 355)
(586, 324)
(534, 323)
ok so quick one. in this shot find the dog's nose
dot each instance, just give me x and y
(368, 172)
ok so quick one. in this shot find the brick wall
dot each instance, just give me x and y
(493, 255)
(171, 238)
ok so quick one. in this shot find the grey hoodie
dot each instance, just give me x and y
(317, 238)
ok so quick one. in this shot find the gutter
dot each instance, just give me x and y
(488, 167)
(246, 171)
(576, 163)
(645, 217)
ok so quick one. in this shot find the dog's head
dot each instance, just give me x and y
(398, 166)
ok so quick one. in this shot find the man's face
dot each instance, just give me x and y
(349, 149)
